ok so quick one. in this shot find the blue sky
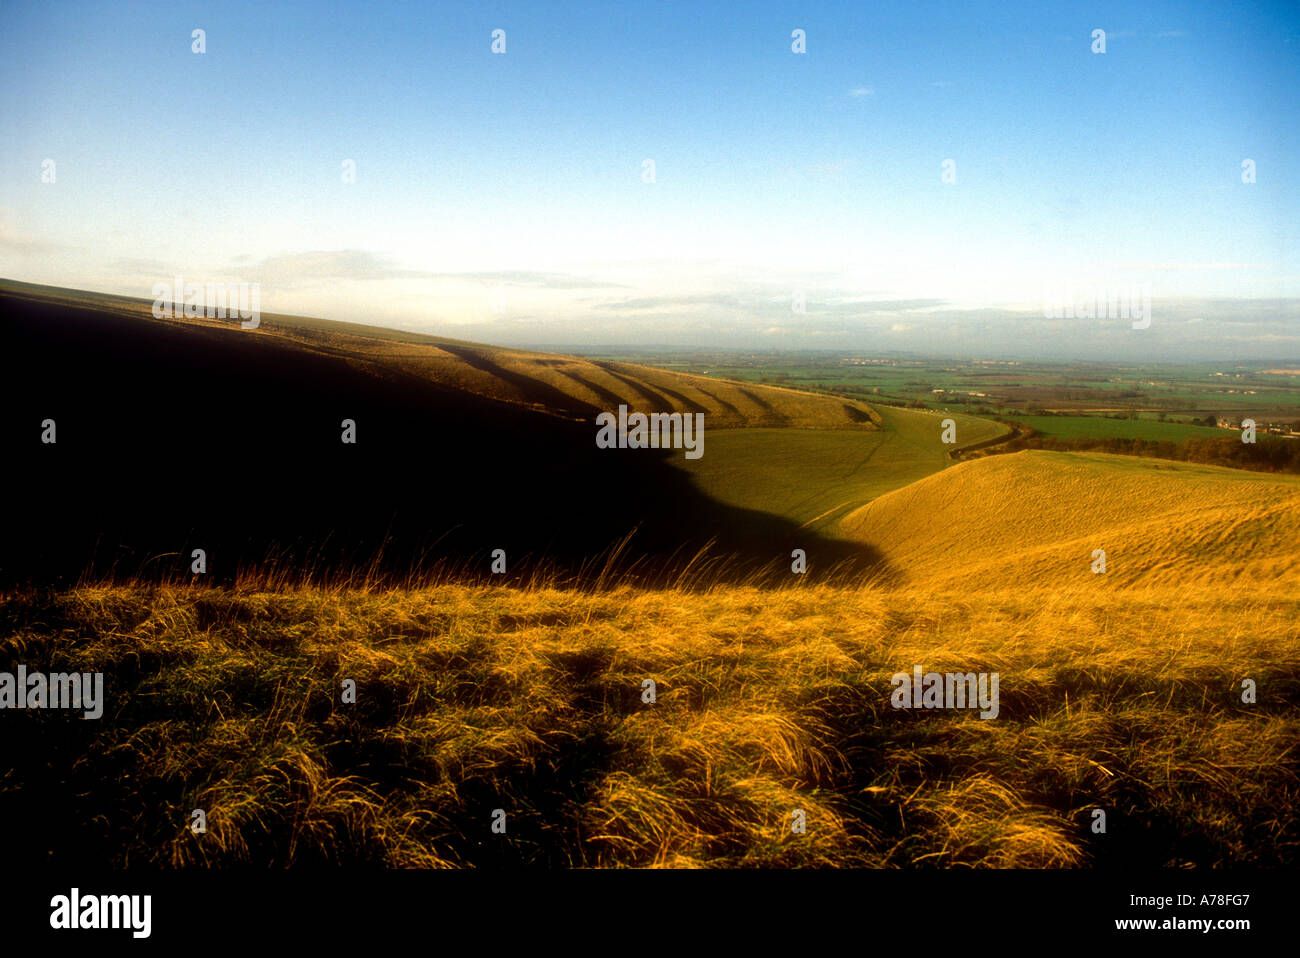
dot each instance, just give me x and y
(502, 196)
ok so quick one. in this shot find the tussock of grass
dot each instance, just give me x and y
(473, 698)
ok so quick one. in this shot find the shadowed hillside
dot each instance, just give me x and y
(175, 436)
(564, 386)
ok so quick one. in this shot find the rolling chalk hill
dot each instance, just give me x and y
(176, 432)
(569, 387)
(177, 435)
(1034, 518)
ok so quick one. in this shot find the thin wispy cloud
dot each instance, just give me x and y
(362, 265)
(1173, 267)
(15, 239)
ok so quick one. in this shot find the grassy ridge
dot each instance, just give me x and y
(567, 387)
(472, 699)
(1036, 517)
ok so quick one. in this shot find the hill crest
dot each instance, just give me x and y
(568, 387)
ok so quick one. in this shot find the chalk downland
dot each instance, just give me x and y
(1035, 517)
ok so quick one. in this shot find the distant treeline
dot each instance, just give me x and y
(1266, 454)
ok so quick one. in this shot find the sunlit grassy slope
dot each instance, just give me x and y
(1035, 517)
(473, 698)
(816, 476)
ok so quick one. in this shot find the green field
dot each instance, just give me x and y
(1181, 390)
(1096, 427)
(814, 476)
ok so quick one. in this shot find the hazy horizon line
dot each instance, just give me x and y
(772, 345)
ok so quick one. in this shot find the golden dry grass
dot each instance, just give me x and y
(473, 698)
(1036, 517)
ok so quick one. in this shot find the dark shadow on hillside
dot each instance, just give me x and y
(536, 390)
(172, 438)
(662, 403)
(722, 402)
(610, 399)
